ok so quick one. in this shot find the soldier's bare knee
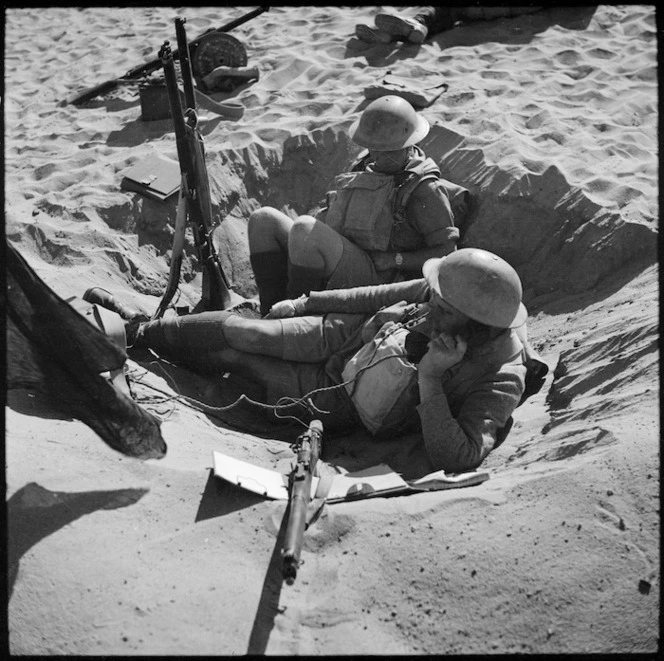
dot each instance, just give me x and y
(301, 229)
(261, 217)
(268, 223)
(300, 239)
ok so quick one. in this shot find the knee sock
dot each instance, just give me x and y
(197, 338)
(271, 275)
(187, 335)
(303, 279)
(152, 335)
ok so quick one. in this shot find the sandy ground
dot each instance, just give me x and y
(551, 121)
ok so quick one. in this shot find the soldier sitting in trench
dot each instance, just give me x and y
(387, 216)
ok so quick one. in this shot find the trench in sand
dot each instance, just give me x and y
(570, 252)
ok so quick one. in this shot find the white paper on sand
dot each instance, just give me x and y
(378, 480)
(262, 481)
(381, 480)
(440, 480)
(374, 481)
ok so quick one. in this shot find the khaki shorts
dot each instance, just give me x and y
(315, 338)
(289, 382)
(355, 269)
(308, 344)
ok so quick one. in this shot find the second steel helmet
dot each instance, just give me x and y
(479, 284)
(387, 124)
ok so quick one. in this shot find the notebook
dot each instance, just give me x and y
(154, 176)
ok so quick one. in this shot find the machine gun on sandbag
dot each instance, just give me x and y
(194, 203)
(212, 48)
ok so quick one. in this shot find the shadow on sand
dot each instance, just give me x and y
(221, 498)
(268, 605)
(34, 513)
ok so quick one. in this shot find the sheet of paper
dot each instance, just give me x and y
(263, 481)
(361, 484)
(441, 480)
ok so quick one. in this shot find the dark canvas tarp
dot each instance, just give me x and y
(51, 348)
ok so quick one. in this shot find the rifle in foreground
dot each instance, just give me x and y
(194, 203)
(149, 67)
(308, 448)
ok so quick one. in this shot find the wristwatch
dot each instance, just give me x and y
(398, 259)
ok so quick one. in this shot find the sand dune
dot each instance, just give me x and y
(551, 121)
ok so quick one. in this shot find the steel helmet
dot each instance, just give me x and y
(479, 284)
(387, 124)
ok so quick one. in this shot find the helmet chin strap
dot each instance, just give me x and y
(388, 163)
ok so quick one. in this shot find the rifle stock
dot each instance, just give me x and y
(176, 257)
(308, 452)
(152, 66)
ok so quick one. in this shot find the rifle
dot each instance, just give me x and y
(194, 204)
(308, 448)
(151, 66)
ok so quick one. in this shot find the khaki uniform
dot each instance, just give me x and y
(413, 209)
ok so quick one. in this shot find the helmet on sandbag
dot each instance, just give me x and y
(387, 124)
(480, 285)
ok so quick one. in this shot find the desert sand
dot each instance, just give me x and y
(550, 120)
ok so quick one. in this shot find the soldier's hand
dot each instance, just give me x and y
(287, 308)
(444, 352)
(382, 261)
(392, 313)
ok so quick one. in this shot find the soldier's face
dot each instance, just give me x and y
(390, 161)
(443, 317)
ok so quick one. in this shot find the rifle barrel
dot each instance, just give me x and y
(196, 190)
(237, 22)
(185, 63)
(166, 58)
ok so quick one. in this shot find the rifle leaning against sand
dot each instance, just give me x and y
(149, 67)
(194, 203)
(308, 449)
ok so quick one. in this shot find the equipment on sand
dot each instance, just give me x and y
(219, 64)
(216, 50)
(225, 78)
(382, 382)
(194, 203)
(418, 93)
(308, 449)
(154, 176)
(401, 27)
(146, 69)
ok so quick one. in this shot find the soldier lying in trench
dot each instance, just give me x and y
(472, 371)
